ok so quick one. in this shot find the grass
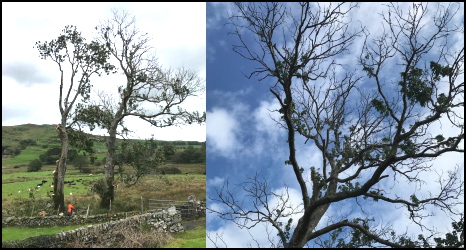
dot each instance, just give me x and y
(195, 238)
(127, 198)
(28, 154)
(20, 233)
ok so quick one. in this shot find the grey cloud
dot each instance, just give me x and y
(9, 113)
(24, 73)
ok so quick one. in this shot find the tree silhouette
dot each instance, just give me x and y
(371, 122)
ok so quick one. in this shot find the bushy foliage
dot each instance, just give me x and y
(34, 166)
(168, 151)
(141, 156)
(50, 156)
(190, 155)
(81, 162)
(168, 170)
(24, 143)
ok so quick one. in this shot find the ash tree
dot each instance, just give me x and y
(149, 92)
(77, 61)
(372, 122)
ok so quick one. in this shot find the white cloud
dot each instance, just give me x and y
(221, 132)
(265, 119)
(215, 182)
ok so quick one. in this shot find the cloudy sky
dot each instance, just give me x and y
(30, 86)
(243, 138)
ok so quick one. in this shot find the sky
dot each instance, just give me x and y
(243, 139)
(30, 85)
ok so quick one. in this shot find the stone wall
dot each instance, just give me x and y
(55, 220)
(168, 221)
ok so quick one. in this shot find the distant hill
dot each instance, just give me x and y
(34, 139)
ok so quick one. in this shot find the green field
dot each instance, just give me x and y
(22, 197)
(20, 233)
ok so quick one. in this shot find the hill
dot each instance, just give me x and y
(24, 143)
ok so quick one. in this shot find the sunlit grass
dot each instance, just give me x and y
(195, 238)
(20, 233)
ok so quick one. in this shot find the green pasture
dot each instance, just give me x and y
(28, 154)
(20, 233)
(29, 180)
(195, 238)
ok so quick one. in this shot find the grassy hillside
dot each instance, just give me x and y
(24, 143)
(41, 134)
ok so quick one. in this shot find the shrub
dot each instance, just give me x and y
(34, 166)
(86, 170)
(168, 170)
(81, 162)
(24, 143)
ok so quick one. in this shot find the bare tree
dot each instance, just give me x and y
(80, 60)
(152, 93)
(368, 132)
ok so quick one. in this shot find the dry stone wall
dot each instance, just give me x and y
(167, 221)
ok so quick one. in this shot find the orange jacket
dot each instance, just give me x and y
(70, 208)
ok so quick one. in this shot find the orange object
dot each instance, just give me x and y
(70, 208)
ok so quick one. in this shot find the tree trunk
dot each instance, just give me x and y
(109, 194)
(59, 175)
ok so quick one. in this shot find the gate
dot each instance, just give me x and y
(188, 210)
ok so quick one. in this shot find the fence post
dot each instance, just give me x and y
(32, 212)
(58, 211)
(142, 208)
(87, 213)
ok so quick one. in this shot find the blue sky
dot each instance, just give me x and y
(243, 139)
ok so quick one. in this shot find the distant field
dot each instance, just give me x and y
(46, 138)
(26, 155)
(22, 197)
